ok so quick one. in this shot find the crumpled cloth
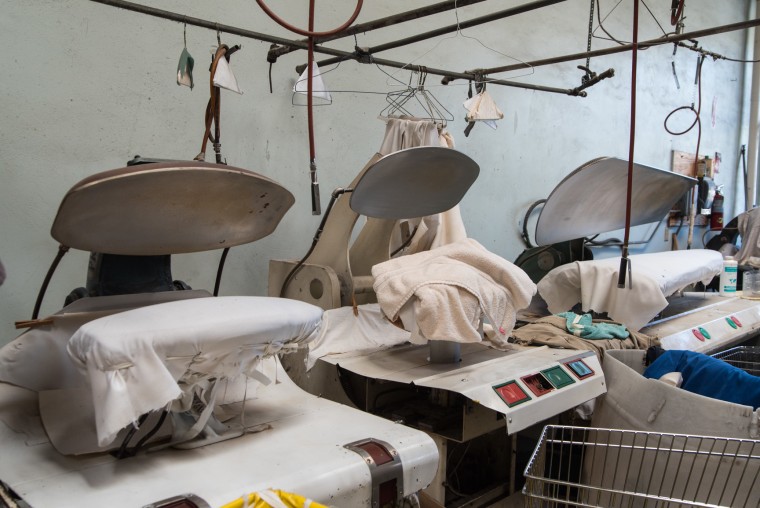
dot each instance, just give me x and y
(137, 360)
(593, 284)
(748, 224)
(582, 325)
(344, 332)
(708, 376)
(451, 288)
(552, 331)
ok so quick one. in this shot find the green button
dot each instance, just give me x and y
(558, 377)
(704, 332)
(731, 323)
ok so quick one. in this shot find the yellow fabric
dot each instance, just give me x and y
(288, 500)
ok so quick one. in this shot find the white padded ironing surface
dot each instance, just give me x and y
(135, 359)
(593, 283)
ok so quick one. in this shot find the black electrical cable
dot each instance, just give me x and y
(132, 431)
(151, 433)
(406, 242)
(62, 250)
(525, 235)
(220, 270)
(337, 192)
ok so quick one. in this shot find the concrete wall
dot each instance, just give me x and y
(85, 87)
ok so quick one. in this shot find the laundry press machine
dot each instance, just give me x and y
(160, 396)
(472, 399)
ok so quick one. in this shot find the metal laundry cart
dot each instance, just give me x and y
(592, 467)
(746, 358)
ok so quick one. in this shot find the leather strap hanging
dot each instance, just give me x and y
(214, 106)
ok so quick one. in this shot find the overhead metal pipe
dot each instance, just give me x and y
(211, 25)
(368, 26)
(181, 18)
(520, 9)
(627, 47)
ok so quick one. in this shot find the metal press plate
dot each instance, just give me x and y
(169, 208)
(414, 182)
(592, 199)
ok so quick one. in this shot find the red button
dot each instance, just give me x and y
(698, 334)
(736, 320)
(512, 393)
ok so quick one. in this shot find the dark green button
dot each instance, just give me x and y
(731, 323)
(704, 332)
(557, 377)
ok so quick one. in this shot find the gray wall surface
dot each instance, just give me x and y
(85, 87)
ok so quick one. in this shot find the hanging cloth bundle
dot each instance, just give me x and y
(480, 107)
(223, 52)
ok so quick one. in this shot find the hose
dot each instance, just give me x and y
(697, 122)
(624, 261)
(311, 34)
(676, 10)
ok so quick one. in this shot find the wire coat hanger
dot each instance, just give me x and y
(398, 99)
(460, 34)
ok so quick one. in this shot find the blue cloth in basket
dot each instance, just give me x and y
(708, 376)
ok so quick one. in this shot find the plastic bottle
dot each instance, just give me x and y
(716, 213)
(728, 276)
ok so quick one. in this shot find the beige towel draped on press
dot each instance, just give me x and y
(450, 288)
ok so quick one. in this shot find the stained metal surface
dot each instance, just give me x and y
(592, 199)
(169, 208)
(414, 182)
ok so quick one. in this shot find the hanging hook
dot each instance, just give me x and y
(218, 35)
(184, 33)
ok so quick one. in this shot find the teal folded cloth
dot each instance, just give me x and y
(581, 325)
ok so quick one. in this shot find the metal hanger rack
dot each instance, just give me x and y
(359, 55)
(366, 55)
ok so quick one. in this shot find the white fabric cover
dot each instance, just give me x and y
(451, 288)
(343, 332)
(38, 360)
(137, 359)
(656, 276)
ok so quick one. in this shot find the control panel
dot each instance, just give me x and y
(538, 384)
(528, 397)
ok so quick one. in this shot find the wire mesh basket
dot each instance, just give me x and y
(746, 358)
(589, 467)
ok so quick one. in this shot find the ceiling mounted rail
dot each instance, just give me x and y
(670, 39)
(218, 27)
(368, 26)
(520, 9)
